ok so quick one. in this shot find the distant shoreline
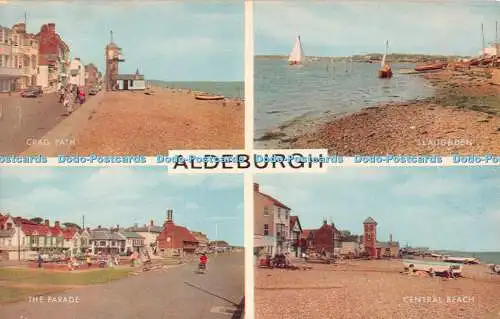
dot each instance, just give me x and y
(394, 57)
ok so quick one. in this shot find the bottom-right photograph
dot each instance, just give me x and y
(400, 242)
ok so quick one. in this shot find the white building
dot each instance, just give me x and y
(18, 58)
(77, 72)
(149, 233)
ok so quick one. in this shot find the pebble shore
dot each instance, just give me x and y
(374, 289)
(169, 119)
(462, 118)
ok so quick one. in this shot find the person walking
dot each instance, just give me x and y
(40, 260)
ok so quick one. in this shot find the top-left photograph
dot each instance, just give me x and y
(120, 78)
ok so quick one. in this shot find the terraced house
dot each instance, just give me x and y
(19, 53)
(271, 224)
(107, 241)
(20, 238)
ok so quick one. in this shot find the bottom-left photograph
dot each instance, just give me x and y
(91, 242)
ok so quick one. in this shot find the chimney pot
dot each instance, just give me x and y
(256, 187)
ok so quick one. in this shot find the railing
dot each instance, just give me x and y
(11, 71)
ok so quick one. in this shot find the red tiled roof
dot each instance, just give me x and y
(178, 236)
(68, 233)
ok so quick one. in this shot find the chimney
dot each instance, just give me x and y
(99, 227)
(117, 227)
(170, 216)
(151, 223)
(52, 27)
(390, 238)
(46, 222)
(255, 187)
(57, 224)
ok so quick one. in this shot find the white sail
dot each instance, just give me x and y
(382, 63)
(297, 54)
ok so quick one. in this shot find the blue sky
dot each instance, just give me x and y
(455, 208)
(124, 196)
(170, 41)
(345, 28)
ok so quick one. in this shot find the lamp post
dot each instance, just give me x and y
(18, 243)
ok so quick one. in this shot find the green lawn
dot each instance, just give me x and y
(41, 276)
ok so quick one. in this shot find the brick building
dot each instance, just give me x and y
(54, 57)
(370, 236)
(326, 238)
(271, 224)
(175, 240)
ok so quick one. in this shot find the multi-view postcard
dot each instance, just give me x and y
(120, 77)
(378, 243)
(120, 243)
(377, 77)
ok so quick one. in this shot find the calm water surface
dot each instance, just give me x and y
(320, 88)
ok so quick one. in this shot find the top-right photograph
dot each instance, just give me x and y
(376, 78)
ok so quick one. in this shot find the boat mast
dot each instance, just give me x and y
(496, 38)
(482, 34)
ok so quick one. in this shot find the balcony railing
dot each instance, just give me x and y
(11, 71)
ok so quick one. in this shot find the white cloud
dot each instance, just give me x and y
(117, 183)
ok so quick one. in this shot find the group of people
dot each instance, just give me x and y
(70, 94)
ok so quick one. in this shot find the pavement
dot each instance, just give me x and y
(178, 292)
(40, 125)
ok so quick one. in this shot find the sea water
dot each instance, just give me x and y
(227, 89)
(285, 93)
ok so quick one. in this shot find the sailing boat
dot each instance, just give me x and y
(385, 70)
(297, 55)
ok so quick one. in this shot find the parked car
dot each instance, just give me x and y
(32, 91)
(93, 91)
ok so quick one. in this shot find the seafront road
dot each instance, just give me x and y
(178, 292)
(39, 124)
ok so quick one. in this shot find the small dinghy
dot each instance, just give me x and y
(209, 97)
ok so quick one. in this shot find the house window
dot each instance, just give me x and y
(10, 242)
(113, 243)
(266, 229)
(266, 211)
(102, 243)
(131, 83)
